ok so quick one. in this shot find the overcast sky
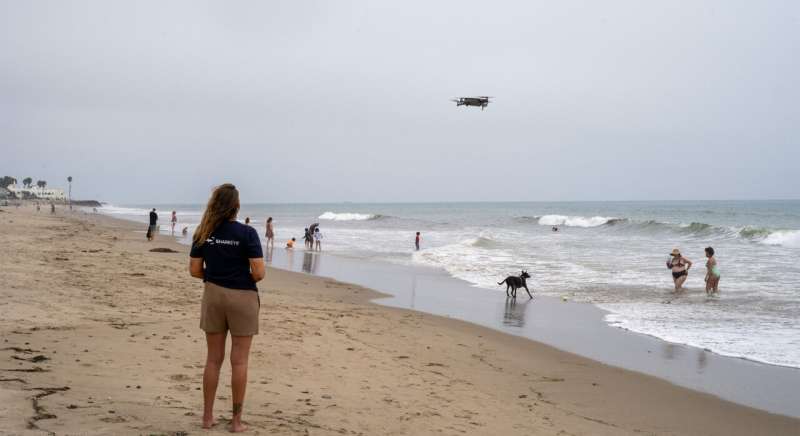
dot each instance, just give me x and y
(349, 100)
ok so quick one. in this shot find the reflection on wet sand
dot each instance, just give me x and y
(514, 314)
(310, 262)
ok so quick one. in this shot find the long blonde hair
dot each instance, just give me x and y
(222, 206)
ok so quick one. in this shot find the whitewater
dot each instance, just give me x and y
(611, 254)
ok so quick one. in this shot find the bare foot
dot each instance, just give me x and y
(208, 422)
(237, 427)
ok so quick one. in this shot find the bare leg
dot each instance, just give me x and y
(214, 359)
(240, 353)
(679, 282)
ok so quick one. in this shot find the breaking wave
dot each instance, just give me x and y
(574, 221)
(786, 238)
(348, 216)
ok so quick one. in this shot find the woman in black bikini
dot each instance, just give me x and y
(680, 268)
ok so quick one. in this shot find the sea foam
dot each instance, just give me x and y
(347, 216)
(573, 221)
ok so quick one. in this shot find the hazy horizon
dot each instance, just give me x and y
(317, 102)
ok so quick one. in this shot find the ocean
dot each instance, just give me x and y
(611, 254)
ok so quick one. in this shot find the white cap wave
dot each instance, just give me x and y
(346, 216)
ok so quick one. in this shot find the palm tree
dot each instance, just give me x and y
(41, 183)
(69, 179)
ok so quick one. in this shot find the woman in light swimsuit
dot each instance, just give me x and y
(270, 233)
(680, 268)
(712, 273)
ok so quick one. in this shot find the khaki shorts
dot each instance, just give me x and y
(226, 309)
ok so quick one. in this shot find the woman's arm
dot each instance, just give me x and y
(257, 269)
(689, 263)
(196, 267)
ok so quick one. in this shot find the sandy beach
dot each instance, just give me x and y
(100, 336)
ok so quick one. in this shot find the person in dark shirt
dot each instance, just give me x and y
(227, 255)
(152, 228)
(416, 240)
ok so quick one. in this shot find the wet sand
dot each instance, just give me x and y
(100, 336)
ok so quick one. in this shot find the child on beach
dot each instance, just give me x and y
(416, 240)
(318, 238)
(290, 243)
(712, 273)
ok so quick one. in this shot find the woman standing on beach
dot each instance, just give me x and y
(270, 234)
(227, 256)
(680, 268)
(712, 273)
(174, 221)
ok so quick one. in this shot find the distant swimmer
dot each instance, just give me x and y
(174, 221)
(680, 268)
(417, 240)
(270, 234)
(555, 228)
(290, 243)
(712, 273)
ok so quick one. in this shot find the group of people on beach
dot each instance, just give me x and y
(680, 265)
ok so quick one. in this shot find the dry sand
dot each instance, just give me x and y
(100, 336)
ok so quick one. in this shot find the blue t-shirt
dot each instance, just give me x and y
(227, 253)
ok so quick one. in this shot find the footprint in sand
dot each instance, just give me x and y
(179, 377)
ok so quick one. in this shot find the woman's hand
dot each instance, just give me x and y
(257, 269)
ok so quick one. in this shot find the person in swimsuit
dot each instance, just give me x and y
(227, 256)
(174, 221)
(270, 233)
(290, 243)
(680, 268)
(712, 273)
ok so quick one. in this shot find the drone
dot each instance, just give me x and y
(481, 101)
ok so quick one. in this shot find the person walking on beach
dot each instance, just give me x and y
(416, 240)
(152, 229)
(52, 207)
(307, 239)
(270, 234)
(680, 268)
(712, 273)
(318, 238)
(174, 221)
(227, 256)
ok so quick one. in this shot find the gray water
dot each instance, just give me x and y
(611, 254)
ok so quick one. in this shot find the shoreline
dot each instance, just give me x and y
(571, 327)
(718, 374)
(116, 325)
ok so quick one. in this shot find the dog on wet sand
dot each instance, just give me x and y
(515, 282)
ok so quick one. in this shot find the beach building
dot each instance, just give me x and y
(37, 192)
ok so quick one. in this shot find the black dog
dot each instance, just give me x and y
(514, 283)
